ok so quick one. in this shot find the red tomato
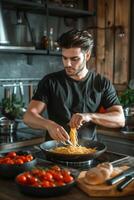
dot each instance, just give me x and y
(10, 162)
(48, 176)
(18, 161)
(65, 172)
(12, 154)
(21, 179)
(37, 184)
(56, 168)
(57, 176)
(29, 158)
(45, 183)
(32, 180)
(60, 183)
(68, 179)
(52, 184)
(36, 172)
(22, 157)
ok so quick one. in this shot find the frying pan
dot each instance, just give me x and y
(46, 147)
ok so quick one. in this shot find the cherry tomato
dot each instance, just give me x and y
(65, 172)
(57, 176)
(29, 157)
(68, 179)
(36, 172)
(12, 154)
(48, 176)
(56, 168)
(45, 183)
(32, 180)
(21, 179)
(60, 183)
(18, 161)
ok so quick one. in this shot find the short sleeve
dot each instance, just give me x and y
(42, 91)
(109, 95)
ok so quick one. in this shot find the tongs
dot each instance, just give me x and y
(67, 142)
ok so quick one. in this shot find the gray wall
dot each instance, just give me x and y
(16, 66)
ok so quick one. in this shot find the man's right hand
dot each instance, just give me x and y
(57, 132)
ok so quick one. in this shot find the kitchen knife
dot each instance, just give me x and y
(121, 176)
(125, 182)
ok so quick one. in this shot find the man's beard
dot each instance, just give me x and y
(78, 71)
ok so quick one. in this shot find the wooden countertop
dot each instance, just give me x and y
(9, 191)
(114, 133)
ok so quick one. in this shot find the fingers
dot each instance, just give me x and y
(59, 134)
(76, 121)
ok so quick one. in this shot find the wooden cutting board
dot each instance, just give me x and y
(103, 190)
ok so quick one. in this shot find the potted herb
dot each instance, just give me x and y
(127, 101)
(127, 98)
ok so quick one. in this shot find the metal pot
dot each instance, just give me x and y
(7, 126)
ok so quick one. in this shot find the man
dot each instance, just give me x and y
(74, 95)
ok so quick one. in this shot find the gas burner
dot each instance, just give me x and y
(83, 164)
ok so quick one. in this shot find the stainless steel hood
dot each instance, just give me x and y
(3, 32)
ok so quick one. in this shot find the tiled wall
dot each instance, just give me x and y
(15, 66)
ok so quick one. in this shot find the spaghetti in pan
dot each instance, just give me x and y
(75, 148)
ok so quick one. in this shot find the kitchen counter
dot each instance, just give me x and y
(115, 133)
(116, 140)
(9, 191)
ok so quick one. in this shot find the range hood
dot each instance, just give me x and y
(3, 32)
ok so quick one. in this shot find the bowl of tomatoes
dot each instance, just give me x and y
(14, 163)
(52, 181)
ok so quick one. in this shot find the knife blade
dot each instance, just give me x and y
(121, 176)
(125, 182)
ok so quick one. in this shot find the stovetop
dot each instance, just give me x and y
(108, 156)
(21, 138)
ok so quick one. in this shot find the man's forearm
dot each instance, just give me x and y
(36, 121)
(111, 120)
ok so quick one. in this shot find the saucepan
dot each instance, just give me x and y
(47, 147)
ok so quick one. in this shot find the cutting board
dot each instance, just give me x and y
(103, 190)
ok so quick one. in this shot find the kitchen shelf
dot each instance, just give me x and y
(45, 8)
(68, 12)
(54, 10)
(32, 52)
(24, 51)
(24, 6)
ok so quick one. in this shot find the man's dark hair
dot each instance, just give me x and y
(76, 39)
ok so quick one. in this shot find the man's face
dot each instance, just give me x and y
(74, 61)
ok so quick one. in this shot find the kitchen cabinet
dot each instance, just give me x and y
(47, 9)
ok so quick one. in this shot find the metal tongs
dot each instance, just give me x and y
(67, 142)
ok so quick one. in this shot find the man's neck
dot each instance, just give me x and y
(81, 75)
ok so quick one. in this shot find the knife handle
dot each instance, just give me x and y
(124, 183)
(121, 176)
(116, 179)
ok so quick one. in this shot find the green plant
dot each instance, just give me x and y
(11, 107)
(127, 98)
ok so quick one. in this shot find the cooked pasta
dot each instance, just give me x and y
(75, 148)
(73, 136)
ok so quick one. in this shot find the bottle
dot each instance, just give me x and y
(20, 31)
(51, 40)
(44, 40)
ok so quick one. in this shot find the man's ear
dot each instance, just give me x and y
(88, 55)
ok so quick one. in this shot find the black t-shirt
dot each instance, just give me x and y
(65, 96)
